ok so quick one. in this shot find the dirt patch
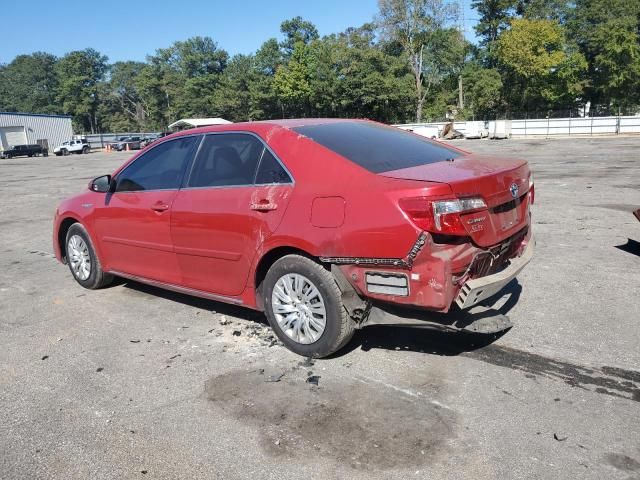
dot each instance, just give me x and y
(362, 423)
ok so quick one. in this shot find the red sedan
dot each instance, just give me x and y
(321, 224)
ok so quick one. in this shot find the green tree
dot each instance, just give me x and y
(183, 78)
(297, 30)
(483, 91)
(544, 69)
(557, 10)
(29, 83)
(608, 35)
(292, 82)
(123, 90)
(495, 16)
(232, 97)
(420, 27)
(80, 74)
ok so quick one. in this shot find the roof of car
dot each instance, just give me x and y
(264, 126)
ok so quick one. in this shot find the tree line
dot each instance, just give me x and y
(411, 63)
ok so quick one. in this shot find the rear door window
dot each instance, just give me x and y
(161, 168)
(271, 171)
(226, 159)
(378, 148)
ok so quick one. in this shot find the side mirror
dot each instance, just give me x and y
(103, 184)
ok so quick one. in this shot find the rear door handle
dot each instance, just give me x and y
(263, 206)
(160, 207)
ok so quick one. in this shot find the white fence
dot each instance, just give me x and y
(575, 126)
(99, 140)
(540, 127)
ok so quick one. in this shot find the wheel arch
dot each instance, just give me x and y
(64, 227)
(268, 259)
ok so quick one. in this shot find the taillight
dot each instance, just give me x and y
(532, 190)
(440, 216)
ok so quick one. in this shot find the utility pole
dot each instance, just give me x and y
(462, 31)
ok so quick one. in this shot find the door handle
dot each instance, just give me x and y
(160, 207)
(263, 206)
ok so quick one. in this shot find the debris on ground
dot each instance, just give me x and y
(308, 362)
(134, 341)
(450, 133)
(559, 439)
(44, 357)
(313, 380)
(236, 333)
(175, 356)
(223, 320)
(99, 369)
(274, 378)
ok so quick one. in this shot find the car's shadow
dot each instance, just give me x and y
(428, 339)
(632, 247)
(196, 302)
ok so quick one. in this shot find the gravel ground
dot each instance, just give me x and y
(135, 382)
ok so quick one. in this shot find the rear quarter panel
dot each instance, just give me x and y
(371, 224)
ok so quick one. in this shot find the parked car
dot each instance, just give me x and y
(122, 143)
(321, 224)
(73, 146)
(24, 151)
(144, 141)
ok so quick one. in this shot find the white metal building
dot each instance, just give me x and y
(28, 128)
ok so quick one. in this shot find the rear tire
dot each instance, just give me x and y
(83, 262)
(306, 296)
(85, 150)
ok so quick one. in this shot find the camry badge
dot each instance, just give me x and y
(514, 190)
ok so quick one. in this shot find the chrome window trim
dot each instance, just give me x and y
(255, 173)
(217, 187)
(155, 145)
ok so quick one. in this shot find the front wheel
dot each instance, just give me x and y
(83, 261)
(304, 307)
(65, 152)
(85, 150)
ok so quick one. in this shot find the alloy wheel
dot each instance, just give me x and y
(79, 257)
(299, 308)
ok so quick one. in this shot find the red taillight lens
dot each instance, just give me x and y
(419, 211)
(532, 190)
(440, 216)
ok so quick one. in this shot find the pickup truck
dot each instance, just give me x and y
(24, 150)
(73, 146)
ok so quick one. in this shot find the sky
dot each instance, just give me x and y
(131, 30)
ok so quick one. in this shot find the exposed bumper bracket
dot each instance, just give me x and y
(479, 320)
(478, 289)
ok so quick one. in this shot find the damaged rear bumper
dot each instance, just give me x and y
(479, 289)
(434, 277)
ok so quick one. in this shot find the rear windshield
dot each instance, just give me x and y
(377, 148)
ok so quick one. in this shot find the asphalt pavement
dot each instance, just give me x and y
(136, 382)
